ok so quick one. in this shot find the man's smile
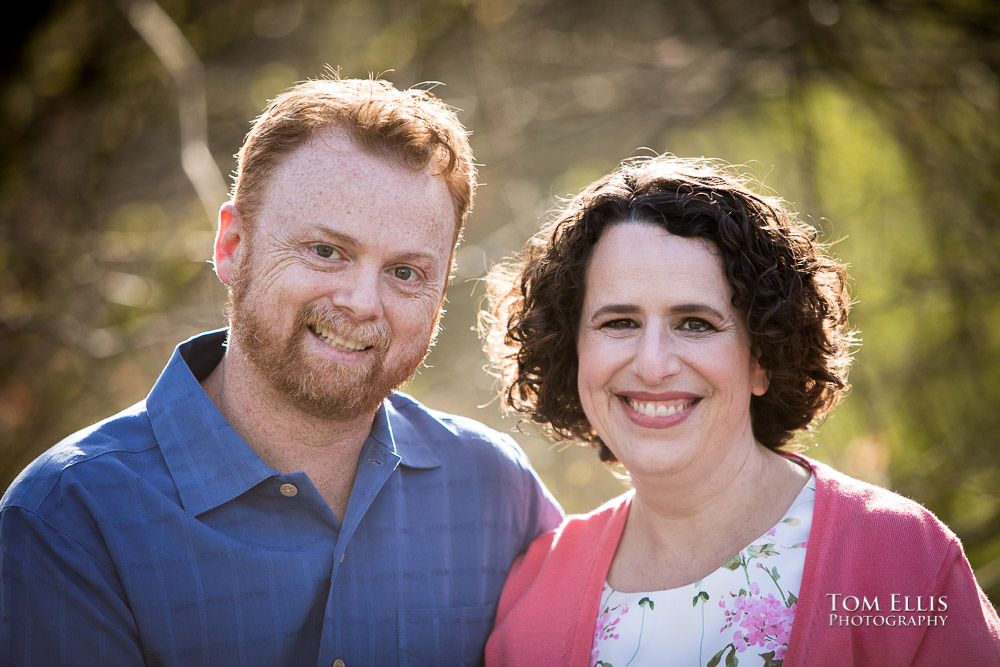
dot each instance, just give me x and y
(335, 341)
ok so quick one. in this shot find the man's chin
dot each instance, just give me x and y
(333, 408)
(339, 394)
(343, 400)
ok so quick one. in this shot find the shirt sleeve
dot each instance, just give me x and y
(59, 604)
(544, 511)
(971, 635)
(547, 513)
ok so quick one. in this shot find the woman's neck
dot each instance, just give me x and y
(683, 528)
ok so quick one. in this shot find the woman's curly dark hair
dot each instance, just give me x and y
(793, 293)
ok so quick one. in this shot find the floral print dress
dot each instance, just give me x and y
(740, 614)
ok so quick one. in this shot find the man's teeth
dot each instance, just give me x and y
(337, 342)
(657, 409)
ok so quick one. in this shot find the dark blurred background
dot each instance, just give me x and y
(879, 119)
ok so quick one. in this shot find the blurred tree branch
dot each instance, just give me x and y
(182, 63)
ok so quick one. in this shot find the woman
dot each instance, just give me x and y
(687, 328)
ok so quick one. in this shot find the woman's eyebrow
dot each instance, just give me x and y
(678, 309)
(615, 309)
(696, 309)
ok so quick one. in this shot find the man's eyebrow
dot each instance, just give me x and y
(339, 237)
(417, 257)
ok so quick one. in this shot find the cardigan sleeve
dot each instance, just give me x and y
(971, 634)
(522, 573)
(549, 603)
(537, 608)
(880, 569)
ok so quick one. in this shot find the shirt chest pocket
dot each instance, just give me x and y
(445, 636)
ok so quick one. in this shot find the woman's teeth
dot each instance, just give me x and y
(656, 409)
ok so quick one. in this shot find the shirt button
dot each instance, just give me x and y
(289, 490)
(339, 663)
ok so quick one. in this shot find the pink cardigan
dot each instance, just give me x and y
(865, 542)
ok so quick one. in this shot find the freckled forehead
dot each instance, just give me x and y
(330, 181)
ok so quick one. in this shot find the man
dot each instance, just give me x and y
(273, 501)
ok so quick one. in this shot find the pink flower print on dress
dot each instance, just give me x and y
(760, 621)
(605, 628)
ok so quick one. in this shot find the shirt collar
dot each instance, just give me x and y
(403, 435)
(210, 462)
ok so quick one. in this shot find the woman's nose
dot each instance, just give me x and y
(656, 357)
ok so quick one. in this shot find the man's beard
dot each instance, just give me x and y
(319, 387)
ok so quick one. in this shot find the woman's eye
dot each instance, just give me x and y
(696, 324)
(403, 273)
(325, 251)
(619, 324)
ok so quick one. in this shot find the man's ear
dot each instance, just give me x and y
(228, 242)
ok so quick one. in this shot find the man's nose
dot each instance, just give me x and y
(360, 294)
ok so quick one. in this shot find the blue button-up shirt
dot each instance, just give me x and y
(159, 536)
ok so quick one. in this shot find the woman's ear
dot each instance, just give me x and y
(760, 379)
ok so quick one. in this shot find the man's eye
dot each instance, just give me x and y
(325, 251)
(403, 273)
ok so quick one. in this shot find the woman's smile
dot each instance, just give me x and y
(658, 411)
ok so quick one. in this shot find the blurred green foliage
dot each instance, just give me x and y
(878, 118)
